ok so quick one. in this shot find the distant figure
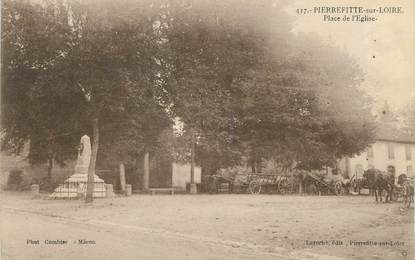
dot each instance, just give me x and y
(408, 190)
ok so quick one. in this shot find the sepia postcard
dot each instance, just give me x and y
(207, 129)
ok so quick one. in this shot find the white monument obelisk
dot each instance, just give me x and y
(75, 185)
(84, 155)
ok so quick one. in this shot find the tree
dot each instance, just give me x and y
(298, 113)
(112, 60)
(210, 47)
(130, 134)
(33, 41)
(243, 82)
(103, 61)
(239, 80)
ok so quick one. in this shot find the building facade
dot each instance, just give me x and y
(392, 149)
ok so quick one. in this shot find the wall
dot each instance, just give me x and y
(181, 175)
(32, 172)
(7, 163)
(380, 159)
(160, 172)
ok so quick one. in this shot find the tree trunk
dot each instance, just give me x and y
(205, 170)
(301, 185)
(91, 169)
(192, 162)
(122, 177)
(252, 163)
(50, 166)
(258, 164)
(146, 173)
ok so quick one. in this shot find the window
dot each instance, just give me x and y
(391, 151)
(391, 169)
(408, 152)
(358, 169)
(370, 152)
(409, 170)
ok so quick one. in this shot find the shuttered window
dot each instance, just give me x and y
(391, 151)
(408, 152)
(370, 152)
(409, 170)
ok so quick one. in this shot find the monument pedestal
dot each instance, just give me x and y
(75, 185)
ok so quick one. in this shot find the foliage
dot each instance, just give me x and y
(127, 135)
(69, 62)
(246, 86)
(32, 44)
(15, 177)
(235, 75)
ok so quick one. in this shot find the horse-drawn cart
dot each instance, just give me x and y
(280, 182)
(359, 183)
(324, 186)
(405, 189)
(289, 183)
(256, 182)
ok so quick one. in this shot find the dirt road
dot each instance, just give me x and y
(206, 227)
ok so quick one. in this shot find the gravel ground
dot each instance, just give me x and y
(300, 227)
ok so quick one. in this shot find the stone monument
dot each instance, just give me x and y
(75, 185)
(84, 156)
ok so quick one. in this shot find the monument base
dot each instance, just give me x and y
(75, 187)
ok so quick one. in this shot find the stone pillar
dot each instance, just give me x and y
(122, 177)
(348, 166)
(193, 188)
(109, 191)
(128, 190)
(146, 175)
(34, 188)
(300, 184)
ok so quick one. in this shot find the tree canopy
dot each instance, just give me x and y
(237, 77)
(99, 58)
(33, 108)
(250, 87)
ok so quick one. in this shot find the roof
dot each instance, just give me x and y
(387, 132)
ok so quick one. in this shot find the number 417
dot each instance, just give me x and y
(301, 10)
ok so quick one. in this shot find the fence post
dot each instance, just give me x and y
(34, 188)
(109, 191)
(128, 190)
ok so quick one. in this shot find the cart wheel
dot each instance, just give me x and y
(283, 186)
(313, 189)
(397, 193)
(338, 188)
(406, 197)
(254, 187)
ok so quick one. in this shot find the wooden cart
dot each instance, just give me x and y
(256, 182)
(325, 187)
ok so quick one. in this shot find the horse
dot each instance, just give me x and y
(379, 181)
(401, 179)
(408, 190)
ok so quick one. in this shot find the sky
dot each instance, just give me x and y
(385, 49)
